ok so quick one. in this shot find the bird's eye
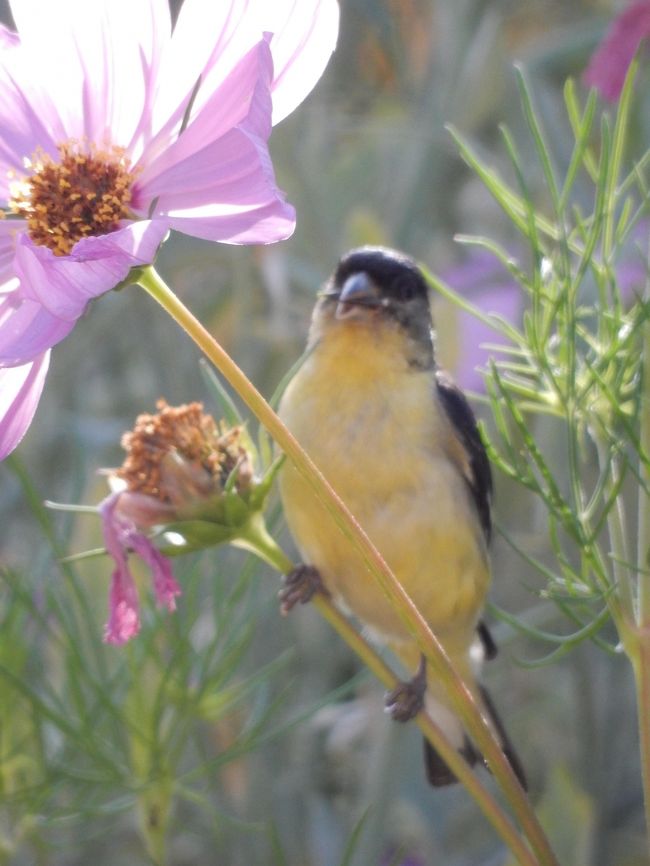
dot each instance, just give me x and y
(405, 289)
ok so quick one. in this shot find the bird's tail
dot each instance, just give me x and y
(438, 773)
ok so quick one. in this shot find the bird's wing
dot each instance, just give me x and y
(471, 457)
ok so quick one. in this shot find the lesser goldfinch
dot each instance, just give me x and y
(399, 443)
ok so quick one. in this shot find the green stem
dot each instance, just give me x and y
(459, 695)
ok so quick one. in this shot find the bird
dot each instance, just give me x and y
(399, 443)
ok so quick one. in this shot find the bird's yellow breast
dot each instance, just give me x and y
(373, 426)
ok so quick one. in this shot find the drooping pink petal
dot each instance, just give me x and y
(63, 285)
(304, 37)
(124, 617)
(165, 586)
(610, 62)
(122, 535)
(27, 329)
(20, 391)
(224, 189)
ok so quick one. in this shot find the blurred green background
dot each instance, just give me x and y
(298, 765)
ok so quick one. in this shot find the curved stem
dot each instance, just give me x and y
(459, 695)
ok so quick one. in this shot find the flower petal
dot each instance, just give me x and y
(105, 54)
(20, 391)
(207, 42)
(609, 64)
(8, 39)
(304, 37)
(63, 285)
(218, 183)
(164, 582)
(124, 617)
(27, 329)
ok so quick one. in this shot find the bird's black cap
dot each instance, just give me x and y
(396, 275)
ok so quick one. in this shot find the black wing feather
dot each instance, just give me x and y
(463, 421)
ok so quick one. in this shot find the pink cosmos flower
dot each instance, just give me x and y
(610, 62)
(114, 130)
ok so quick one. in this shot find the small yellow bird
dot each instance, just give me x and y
(399, 443)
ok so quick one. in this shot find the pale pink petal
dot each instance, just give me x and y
(8, 39)
(145, 511)
(208, 41)
(23, 129)
(609, 64)
(9, 231)
(304, 37)
(63, 285)
(20, 391)
(238, 203)
(102, 55)
(244, 98)
(223, 188)
(165, 586)
(27, 329)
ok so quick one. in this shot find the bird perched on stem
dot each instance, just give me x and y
(399, 443)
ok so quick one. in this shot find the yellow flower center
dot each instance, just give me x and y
(86, 192)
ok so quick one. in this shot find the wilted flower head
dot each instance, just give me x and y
(611, 60)
(184, 460)
(185, 474)
(114, 130)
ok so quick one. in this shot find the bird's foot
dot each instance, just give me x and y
(299, 587)
(406, 700)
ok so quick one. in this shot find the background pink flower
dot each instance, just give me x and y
(609, 64)
(114, 130)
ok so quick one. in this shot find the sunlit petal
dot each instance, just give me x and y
(20, 391)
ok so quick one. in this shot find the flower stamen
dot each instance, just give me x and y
(85, 193)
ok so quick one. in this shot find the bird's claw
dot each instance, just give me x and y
(300, 586)
(406, 700)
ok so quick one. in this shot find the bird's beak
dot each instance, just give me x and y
(359, 293)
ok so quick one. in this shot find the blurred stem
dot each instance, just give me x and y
(459, 695)
(152, 780)
(641, 663)
(641, 658)
(643, 548)
(620, 603)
